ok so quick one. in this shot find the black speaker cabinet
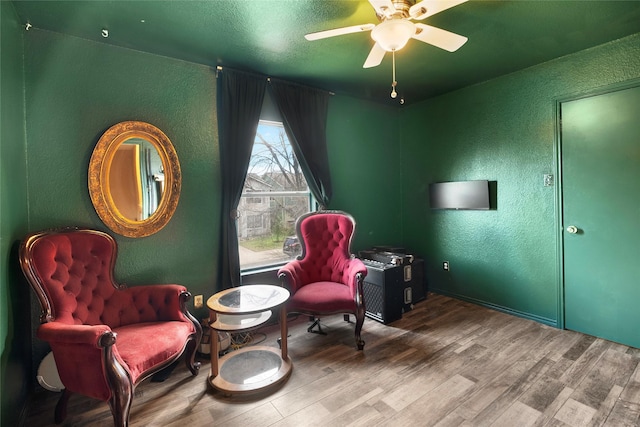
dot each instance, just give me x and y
(390, 290)
(415, 288)
(383, 293)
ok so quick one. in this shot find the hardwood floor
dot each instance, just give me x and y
(445, 363)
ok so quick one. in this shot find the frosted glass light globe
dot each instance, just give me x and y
(393, 34)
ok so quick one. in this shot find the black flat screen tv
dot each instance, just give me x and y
(463, 195)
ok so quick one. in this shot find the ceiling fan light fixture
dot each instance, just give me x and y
(396, 29)
(393, 34)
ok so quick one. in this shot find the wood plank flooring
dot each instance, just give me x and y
(445, 363)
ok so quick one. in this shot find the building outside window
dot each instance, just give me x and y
(274, 195)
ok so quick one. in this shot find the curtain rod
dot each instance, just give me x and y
(219, 68)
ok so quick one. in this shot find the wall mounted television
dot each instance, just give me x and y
(460, 195)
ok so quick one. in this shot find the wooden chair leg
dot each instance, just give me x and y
(192, 346)
(359, 323)
(190, 357)
(61, 407)
(120, 404)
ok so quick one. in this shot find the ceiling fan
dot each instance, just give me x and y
(395, 27)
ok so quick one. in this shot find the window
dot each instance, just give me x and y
(274, 195)
(254, 221)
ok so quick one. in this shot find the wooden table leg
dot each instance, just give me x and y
(283, 332)
(213, 346)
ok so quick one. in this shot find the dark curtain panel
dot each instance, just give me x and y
(239, 101)
(304, 115)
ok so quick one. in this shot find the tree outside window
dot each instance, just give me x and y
(274, 195)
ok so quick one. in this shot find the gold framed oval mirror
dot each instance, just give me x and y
(134, 179)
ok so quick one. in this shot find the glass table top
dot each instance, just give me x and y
(251, 367)
(248, 299)
(240, 322)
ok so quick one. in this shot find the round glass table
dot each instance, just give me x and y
(250, 369)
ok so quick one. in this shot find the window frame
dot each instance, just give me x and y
(311, 206)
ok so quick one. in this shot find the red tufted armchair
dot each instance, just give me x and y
(105, 338)
(326, 278)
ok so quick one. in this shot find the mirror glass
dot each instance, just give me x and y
(134, 179)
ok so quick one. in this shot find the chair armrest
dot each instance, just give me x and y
(353, 267)
(84, 356)
(289, 276)
(353, 274)
(72, 334)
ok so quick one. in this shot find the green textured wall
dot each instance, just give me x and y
(15, 350)
(503, 130)
(75, 90)
(365, 166)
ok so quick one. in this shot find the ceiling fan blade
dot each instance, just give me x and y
(375, 56)
(339, 31)
(438, 37)
(427, 8)
(383, 7)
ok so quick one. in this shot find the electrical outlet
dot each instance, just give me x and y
(197, 301)
(445, 265)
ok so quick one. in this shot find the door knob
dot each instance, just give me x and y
(572, 229)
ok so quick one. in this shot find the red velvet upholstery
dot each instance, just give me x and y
(326, 278)
(105, 338)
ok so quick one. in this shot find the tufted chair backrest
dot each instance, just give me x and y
(72, 273)
(326, 241)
